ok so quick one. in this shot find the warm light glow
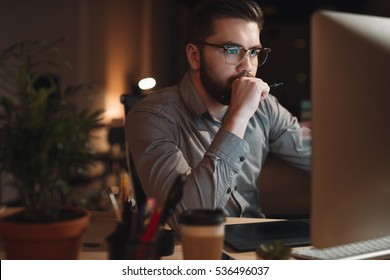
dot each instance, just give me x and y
(118, 58)
(124, 66)
(147, 83)
(114, 109)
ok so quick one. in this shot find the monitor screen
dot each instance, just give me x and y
(350, 56)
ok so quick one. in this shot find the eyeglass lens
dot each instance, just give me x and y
(236, 55)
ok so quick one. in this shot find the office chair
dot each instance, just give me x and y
(129, 100)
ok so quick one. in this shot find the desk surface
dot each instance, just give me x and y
(103, 224)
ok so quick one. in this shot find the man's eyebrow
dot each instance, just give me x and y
(235, 44)
(231, 43)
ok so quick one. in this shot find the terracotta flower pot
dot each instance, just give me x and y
(43, 241)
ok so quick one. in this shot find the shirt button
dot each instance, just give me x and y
(242, 159)
(229, 190)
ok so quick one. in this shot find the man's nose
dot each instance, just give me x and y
(246, 64)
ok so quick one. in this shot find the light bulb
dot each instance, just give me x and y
(147, 83)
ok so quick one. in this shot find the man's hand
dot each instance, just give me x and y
(247, 93)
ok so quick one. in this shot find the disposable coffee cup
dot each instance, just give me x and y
(202, 233)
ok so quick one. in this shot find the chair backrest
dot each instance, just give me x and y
(129, 100)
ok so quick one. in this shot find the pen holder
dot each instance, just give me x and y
(121, 248)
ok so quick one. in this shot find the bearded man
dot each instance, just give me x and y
(217, 125)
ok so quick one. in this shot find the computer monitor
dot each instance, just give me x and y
(351, 128)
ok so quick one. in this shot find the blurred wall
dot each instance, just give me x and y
(111, 44)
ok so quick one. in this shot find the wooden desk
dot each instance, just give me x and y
(103, 223)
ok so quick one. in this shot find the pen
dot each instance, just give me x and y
(275, 85)
(115, 205)
(148, 235)
(152, 227)
(124, 191)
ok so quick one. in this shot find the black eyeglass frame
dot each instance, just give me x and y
(226, 47)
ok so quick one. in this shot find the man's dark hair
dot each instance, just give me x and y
(202, 17)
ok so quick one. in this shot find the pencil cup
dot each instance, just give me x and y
(120, 247)
(202, 233)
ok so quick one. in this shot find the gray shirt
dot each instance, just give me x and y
(170, 132)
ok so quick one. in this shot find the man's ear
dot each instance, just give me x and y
(193, 56)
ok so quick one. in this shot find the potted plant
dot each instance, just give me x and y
(44, 140)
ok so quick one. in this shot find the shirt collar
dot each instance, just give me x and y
(191, 97)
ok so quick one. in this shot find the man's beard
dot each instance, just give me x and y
(220, 91)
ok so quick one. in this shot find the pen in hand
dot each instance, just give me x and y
(275, 85)
(271, 86)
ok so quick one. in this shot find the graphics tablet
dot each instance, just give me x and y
(248, 237)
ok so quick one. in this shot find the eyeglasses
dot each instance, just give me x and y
(235, 54)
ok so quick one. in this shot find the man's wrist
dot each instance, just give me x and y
(235, 125)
